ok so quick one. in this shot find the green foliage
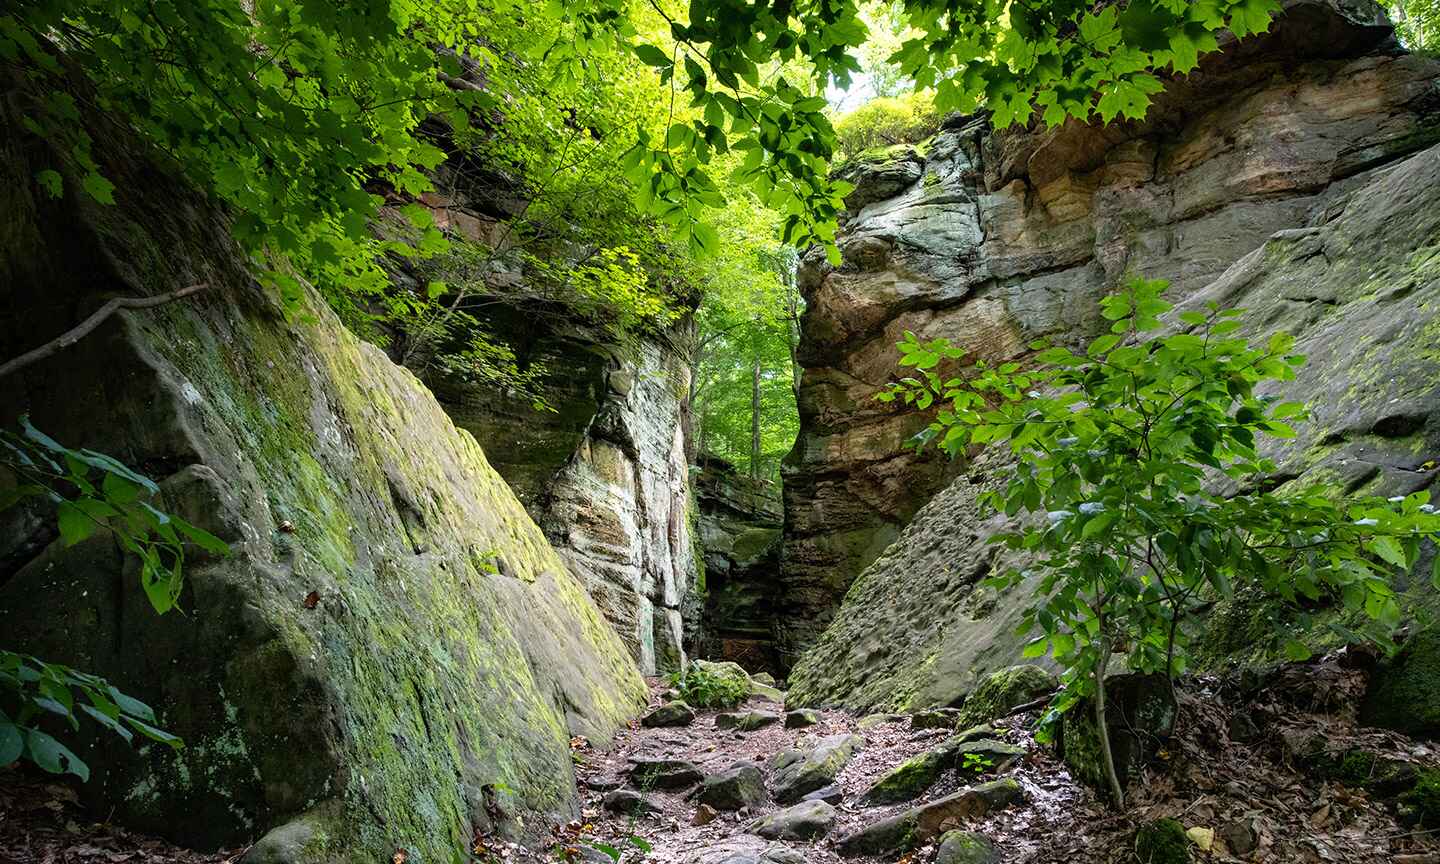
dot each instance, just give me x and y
(1137, 466)
(704, 687)
(90, 492)
(306, 118)
(882, 122)
(1417, 23)
(1425, 798)
(976, 763)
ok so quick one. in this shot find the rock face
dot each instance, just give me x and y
(1280, 177)
(604, 473)
(740, 531)
(431, 689)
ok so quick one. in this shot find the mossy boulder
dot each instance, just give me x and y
(1162, 842)
(1140, 714)
(431, 690)
(801, 718)
(1404, 692)
(746, 721)
(1424, 799)
(801, 771)
(1001, 691)
(908, 830)
(740, 785)
(804, 821)
(939, 718)
(965, 847)
(911, 778)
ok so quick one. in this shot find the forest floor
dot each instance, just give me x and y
(1232, 772)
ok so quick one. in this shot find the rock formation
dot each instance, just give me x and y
(392, 655)
(740, 531)
(1281, 177)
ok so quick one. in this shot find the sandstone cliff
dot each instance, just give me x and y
(1278, 177)
(430, 686)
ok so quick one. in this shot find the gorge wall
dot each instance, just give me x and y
(1281, 176)
(604, 473)
(601, 465)
(391, 656)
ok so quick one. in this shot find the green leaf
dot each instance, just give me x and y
(52, 756)
(12, 743)
(75, 526)
(1296, 650)
(51, 181)
(652, 56)
(1387, 549)
(98, 187)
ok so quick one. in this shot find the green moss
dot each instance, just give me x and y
(1425, 798)
(1162, 842)
(1403, 694)
(1003, 690)
(907, 780)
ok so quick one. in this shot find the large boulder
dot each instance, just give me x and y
(801, 771)
(1140, 714)
(913, 777)
(804, 821)
(1274, 177)
(429, 685)
(1404, 692)
(735, 788)
(1002, 691)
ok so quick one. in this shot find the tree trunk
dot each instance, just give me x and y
(1117, 791)
(755, 420)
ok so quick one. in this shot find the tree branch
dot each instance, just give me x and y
(84, 328)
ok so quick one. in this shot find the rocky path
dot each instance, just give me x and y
(759, 785)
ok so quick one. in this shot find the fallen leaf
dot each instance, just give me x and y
(311, 601)
(1202, 837)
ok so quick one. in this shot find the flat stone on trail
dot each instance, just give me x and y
(746, 721)
(801, 718)
(740, 785)
(799, 772)
(663, 773)
(670, 714)
(912, 828)
(627, 802)
(870, 721)
(804, 821)
(746, 849)
(831, 794)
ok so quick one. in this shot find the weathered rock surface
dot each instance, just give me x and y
(432, 688)
(591, 440)
(629, 802)
(801, 718)
(740, 530)
(675, 713)
(965, 847)
(1281, 177)
(913, 777)
(1004, 690)
(1140, 714)
(746, 721)
(798, 772)
(741, 785)
(804, 821)
(662, 772)
(747, 849)
(1404, 692)
(912, 828)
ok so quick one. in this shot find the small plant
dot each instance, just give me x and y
(90, 492)
(976, 763)
(1138, 467)
(702, 687)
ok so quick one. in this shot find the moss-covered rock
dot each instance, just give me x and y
(1004, 690)
(432, 689)
(1424, 798)
(1162, 842)
(801, 771)
(1404, 692)
(909, 779)
(740, 785)
(965, 847)
(1140, 713)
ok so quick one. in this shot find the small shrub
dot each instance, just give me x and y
(883, 122)
(703, 686)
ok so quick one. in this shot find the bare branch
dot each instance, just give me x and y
(84, 328)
